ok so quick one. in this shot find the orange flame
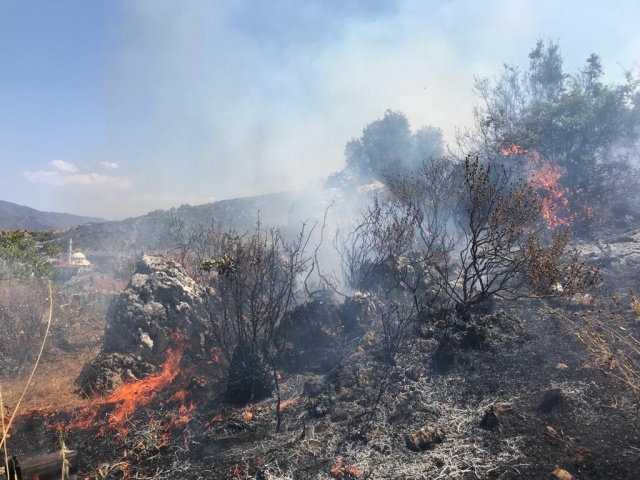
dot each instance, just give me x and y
(129, 397)
(556, 209)
(247, 414)
(288, 403)
(554, 202)
(342, 471)
(511, 149)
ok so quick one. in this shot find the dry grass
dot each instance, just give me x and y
(610, 336)
(52, 386)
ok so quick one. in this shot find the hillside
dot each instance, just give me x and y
(19, 217)
(150, 232)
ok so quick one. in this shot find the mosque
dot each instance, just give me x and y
(78, 259)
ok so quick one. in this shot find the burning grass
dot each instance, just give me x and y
(173, 433)
(128, 398)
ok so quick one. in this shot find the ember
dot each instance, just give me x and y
(342, 471)
(288, 403)
(238, 472)
(215, 357)
(248, 414)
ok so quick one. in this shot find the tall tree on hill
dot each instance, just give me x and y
(388, 147)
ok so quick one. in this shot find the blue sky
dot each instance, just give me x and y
(116, 108)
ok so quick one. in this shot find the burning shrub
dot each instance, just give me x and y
(583, 129)
(505, 249)
(402, 249)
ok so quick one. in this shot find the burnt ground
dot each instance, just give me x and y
(549, 408)
(515, 396)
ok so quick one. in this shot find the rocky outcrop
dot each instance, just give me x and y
(162, 308)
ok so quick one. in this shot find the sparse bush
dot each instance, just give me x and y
(22, 307)
(255, 281)
(192, 244)
(395, 244)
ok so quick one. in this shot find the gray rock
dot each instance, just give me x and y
(161, 308)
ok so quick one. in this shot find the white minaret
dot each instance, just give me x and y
(70, 248)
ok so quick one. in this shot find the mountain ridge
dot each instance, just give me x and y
(150, 232)
(20, 217)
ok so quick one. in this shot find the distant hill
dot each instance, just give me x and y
(18, 217)
(150, 232)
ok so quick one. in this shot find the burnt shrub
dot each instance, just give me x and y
(312, 336)
(253, 283)
(249, 378)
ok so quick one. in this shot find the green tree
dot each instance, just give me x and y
(20, 257)
(587, 128)
(388, 147)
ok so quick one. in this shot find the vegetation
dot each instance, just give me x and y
(505, 250)
(612, 341)
(388, 147)
(473, 238)
(586, 128)
(23, 297)
(20, 257)
(22, 309)
(255, 282)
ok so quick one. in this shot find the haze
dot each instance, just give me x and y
(117, 108)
